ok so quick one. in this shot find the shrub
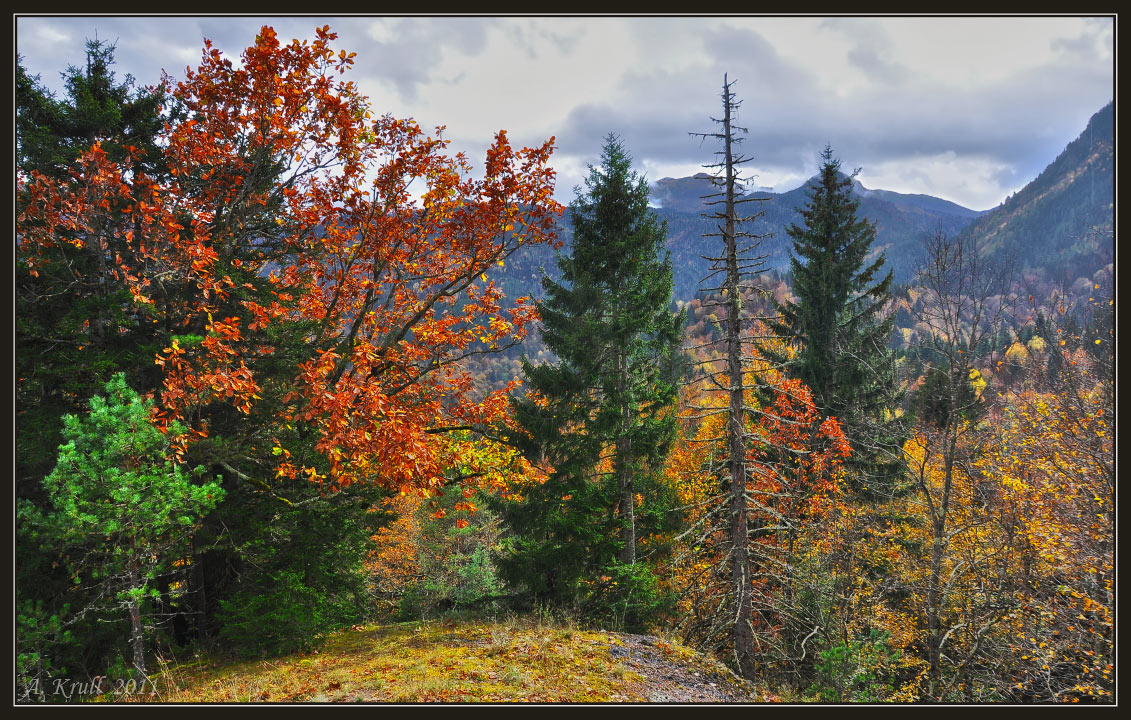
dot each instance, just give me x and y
(857, 671)
(286, 617)
(627, 598)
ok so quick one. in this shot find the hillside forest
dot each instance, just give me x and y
(286, 364)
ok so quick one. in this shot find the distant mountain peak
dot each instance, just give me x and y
(686, 195)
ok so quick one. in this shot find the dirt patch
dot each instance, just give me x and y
(670, 674)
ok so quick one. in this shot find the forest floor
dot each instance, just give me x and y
(454, 661)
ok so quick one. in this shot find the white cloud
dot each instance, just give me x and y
(964, 180)
(983, 103)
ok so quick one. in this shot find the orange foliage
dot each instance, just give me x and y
(794, 466)
(382, 244)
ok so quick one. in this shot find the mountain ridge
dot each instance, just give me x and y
(902, 221)
(678, 194)
(1062, 222)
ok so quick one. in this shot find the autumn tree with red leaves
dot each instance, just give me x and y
(291, 209)
(313, 278)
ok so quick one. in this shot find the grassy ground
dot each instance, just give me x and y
(437, 661)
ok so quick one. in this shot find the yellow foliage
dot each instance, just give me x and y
(1017, 352)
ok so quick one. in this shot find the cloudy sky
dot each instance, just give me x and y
(968, 109)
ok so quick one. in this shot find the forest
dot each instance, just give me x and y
(276, 377)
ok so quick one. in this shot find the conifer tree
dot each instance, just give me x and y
(121, 506)
(838, 322)
(52, 134)
(600, 417)
(74, 327)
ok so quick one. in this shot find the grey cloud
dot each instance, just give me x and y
(657, 111)
(409, 61)
(871, 48)
(1084, 45)
(1020, 122)
(868, 60)
(532, 37)
(754, 61)
(138, 41)
(1006, 177)
(1087, 46)
(644, 134)
(917, 176)
(148, 45)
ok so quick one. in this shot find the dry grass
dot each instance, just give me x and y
(420, 662)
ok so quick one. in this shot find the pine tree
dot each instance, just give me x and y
(122, 508)
(838, 322)
(601, 417)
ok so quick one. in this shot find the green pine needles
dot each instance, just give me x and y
(838, 324)
(122, 505)
(602, 417)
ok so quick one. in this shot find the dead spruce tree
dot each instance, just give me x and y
(737, 264)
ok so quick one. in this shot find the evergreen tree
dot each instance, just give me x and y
(75, 326)
(52, 134)
(122, 508)
(74, 322)
(837, 321)
(601, 417)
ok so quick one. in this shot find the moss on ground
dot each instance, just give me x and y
(420, 662)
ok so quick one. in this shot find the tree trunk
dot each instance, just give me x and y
(934, 622)
(628, 511)
(736, 441)
(137, 631)
(624, 470)
(938, 549)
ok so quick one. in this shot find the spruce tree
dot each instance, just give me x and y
(74, 325)
(601, 417)
(837, 321)
(52, 134)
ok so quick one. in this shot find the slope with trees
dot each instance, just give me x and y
(1062, 221)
